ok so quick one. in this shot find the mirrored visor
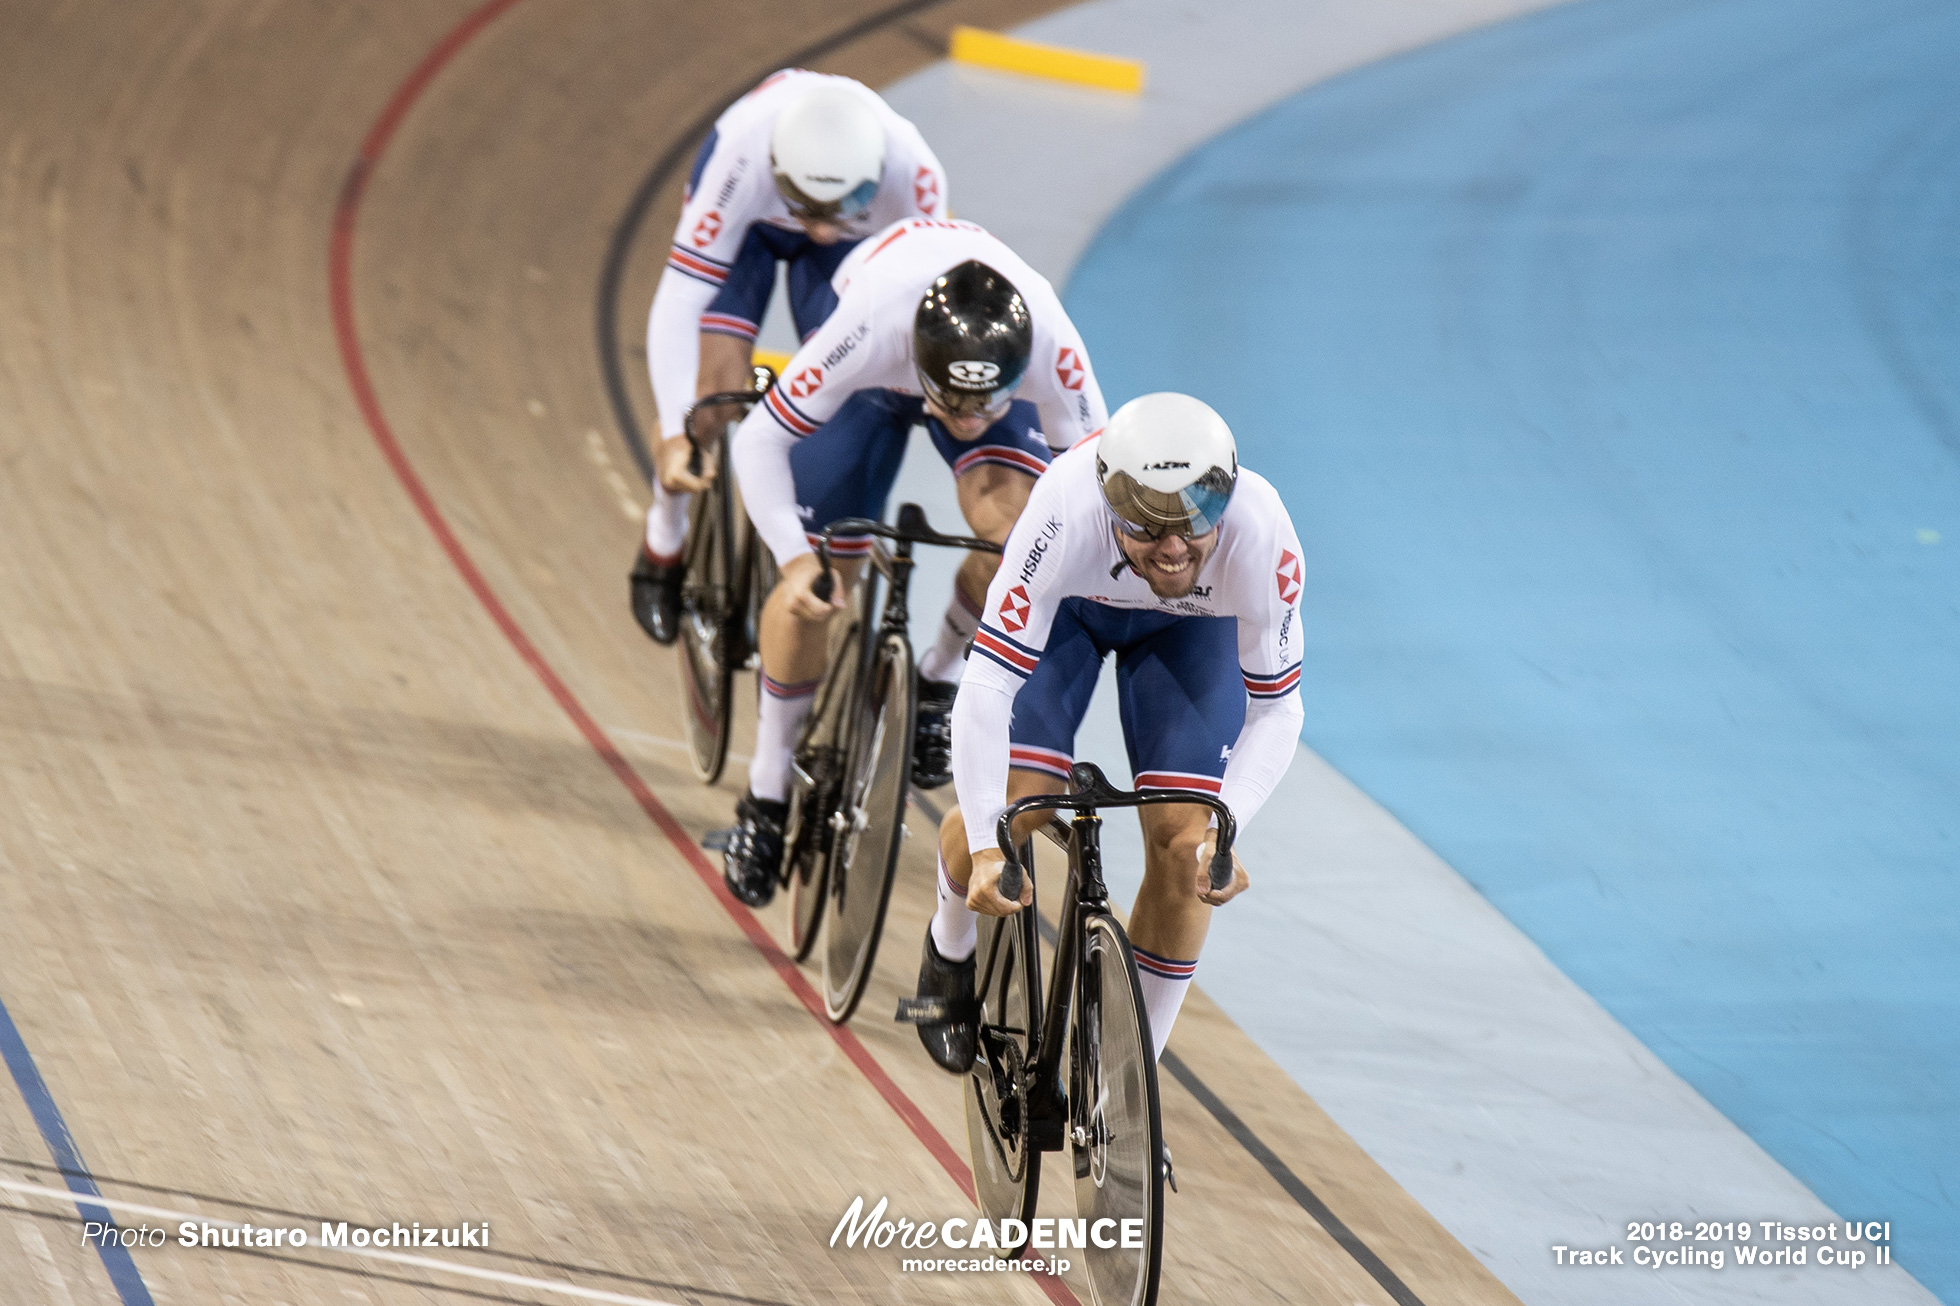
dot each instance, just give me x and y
(850, 206)
(968, 403)
(1146, 514)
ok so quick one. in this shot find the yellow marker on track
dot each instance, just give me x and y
(1004, 53)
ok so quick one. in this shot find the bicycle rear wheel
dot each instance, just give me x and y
(1006, 1163)
(1118, 1134)
(873, 811)
(708, 630)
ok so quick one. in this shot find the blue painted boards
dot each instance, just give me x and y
(1610, 363)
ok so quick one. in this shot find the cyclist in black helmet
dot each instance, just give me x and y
(937, 324)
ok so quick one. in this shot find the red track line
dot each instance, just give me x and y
(340, 265)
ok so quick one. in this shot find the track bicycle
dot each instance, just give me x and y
(1017, 1106)
(727, 573)
(853, 762)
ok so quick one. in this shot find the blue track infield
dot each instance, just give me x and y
(1610, 363)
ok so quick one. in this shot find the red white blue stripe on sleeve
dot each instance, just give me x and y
(1005, 455)
(1015, 656)
(785, 412)
(698, 266)
(1274, 686)
(1029, 758)
(727, 324)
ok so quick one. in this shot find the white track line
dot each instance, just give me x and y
(563, 1289)
(642, 737)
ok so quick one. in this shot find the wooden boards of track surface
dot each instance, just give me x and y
(315, 902)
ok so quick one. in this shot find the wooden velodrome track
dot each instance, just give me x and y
(322, 890)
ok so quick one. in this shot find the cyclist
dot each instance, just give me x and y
(1152, 543)
(937, 323)
(799, 170)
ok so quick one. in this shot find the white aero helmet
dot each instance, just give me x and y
(1167, 465)
(827, 151)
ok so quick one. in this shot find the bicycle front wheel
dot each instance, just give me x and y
(708, 630)
(1006, 1163)
(1118, 1134)
(873, 825)
(816, 781)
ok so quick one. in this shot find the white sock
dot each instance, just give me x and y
(955, 926)
(946, 658)
(666, 525)
(1163, 981)
(778, 721)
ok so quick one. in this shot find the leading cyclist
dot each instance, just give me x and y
(937, 324)
(1152, 543)
(798, 171)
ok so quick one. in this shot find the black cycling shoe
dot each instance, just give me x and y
(945, 1011)
(932, 734)
(657, 596)
(752, 862)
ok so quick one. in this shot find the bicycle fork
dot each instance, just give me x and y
(1060, 1114)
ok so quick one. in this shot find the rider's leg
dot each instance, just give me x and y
(1182, 700)
(844, 469)
(1168, 922)
(793, 652)
(953, 922)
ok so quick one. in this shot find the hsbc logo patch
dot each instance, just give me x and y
(810, 380)
(1289, 575)
(1014, 609)
(1069, 369)
(706, 229)
(925, 190)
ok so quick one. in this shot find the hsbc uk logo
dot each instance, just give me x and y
(925, 190)
(1069, 369)
(809, 381)
(706, 229)
(1289, 575)
(1014, 609)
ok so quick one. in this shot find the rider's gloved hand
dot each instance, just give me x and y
(799, 574)
(670, 465)
(983, 886)
(1240, 880)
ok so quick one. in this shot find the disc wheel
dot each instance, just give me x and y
(707, 633)
(1118, 1135)
(872, 809)
(1006, 1165)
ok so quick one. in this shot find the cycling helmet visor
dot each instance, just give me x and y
(848, 207)
(1146, 514)
(968, 403)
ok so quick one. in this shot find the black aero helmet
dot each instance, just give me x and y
(971, 338)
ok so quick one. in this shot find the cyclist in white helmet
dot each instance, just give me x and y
(1152, 543)
(799, 170)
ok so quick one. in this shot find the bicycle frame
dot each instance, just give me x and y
(1084, 893)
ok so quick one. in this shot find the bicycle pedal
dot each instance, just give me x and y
(716, 841)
